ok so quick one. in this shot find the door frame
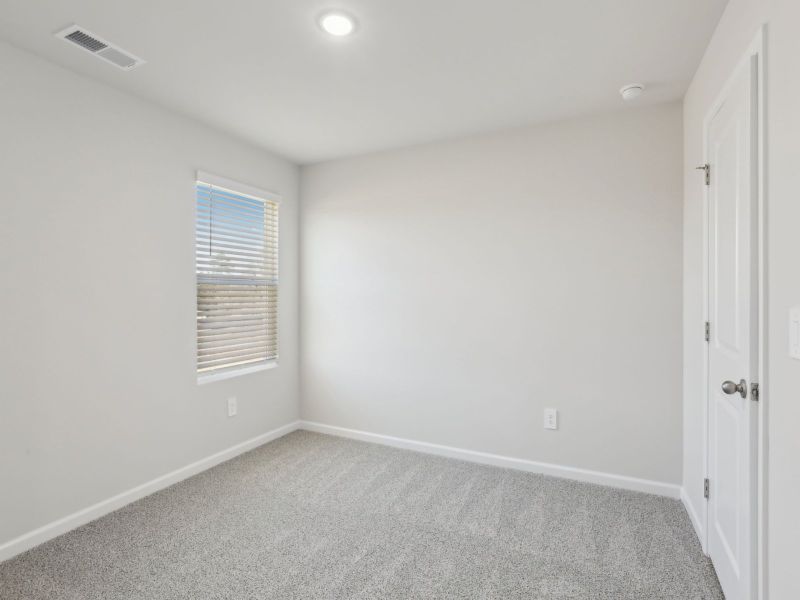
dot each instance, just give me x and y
(755, 51)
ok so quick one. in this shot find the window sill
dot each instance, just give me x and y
(235, 372)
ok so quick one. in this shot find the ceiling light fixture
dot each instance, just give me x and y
(632, 91)
(337, 23)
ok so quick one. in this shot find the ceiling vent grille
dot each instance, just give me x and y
(99, 47)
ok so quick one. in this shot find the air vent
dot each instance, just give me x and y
(85, 41)
(100, 47)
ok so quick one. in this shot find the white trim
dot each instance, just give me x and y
(51, 530)
(756, 48)
(759, 47)
(608, 479)
(203, 378)
(237, 187)
(693, 514)
(38, 536)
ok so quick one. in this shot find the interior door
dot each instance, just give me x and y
(733, 317)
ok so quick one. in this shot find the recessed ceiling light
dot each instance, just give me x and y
(337, 23)
(632, 91)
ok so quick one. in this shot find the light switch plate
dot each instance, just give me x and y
(233, 408)
(550, 418)
(794, 332)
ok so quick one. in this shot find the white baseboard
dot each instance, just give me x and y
(56, 528)
(608, 479)
(694, 517)
(81, 517)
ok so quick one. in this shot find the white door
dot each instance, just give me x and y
(733, 317)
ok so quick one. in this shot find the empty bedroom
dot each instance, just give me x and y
(380, 299)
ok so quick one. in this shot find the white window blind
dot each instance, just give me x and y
(237, 278)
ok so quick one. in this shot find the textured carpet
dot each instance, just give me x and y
(313, 516)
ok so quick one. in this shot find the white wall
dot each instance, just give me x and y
(736, 30)
(97, 338)
(452, 291)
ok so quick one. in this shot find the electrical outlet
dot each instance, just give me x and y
(794, 332)
(550, 418)
(232, 406)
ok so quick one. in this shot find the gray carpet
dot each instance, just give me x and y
(313, 516)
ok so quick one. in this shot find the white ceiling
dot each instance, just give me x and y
(415, 71)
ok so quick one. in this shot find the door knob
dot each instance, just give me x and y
(731, 388)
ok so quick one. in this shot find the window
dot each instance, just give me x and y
(236, 255)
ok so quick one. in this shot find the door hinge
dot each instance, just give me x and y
(754, 391)
(706, 488)
(708, 331)
(707, 168)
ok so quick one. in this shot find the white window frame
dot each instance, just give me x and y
(248, 190)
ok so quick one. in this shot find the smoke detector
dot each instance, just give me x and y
(99, 47)
(632, 91)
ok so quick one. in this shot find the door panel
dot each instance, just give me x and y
(726, 315)
(732, 351)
